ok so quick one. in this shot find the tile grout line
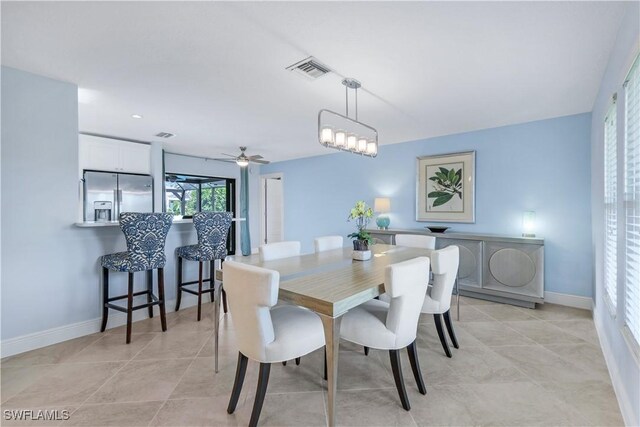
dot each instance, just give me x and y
(180, 379)
(111, 377)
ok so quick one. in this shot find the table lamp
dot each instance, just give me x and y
(382, 205)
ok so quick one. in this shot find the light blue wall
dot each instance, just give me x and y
(542, 166)
(623, 364)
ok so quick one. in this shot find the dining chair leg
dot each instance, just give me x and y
(284, 363)
(179, 297)
(224, 301)
(241, 370)
(415, 367)
(105, 298)
(366, 350)
(449, 325)
(150, 291)
(325, 364)
(394, 356)
(163, 317)
(443, 340)
(297, 361)
(129, 307)
(199, 288)
(261, 391)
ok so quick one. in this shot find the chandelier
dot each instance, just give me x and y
(344, 133)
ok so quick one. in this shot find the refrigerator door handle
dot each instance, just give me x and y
(116, 199)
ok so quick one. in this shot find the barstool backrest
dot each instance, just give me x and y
(212, 229)
(405, 284)
(444, 264)
(146, 234)
(416, 241)
(252, 292)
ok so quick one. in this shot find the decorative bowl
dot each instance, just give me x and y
(437, 229)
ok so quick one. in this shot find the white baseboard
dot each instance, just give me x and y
(624, 402)
(576, 301)
(13, 346)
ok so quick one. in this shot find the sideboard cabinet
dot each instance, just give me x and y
(498, 268)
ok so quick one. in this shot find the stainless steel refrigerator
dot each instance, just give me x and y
(122, 192)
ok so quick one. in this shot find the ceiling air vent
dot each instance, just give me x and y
(310, 67)
(165, 135)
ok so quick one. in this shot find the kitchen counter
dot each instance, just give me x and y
(92, 224)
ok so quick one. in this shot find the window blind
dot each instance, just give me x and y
(610, 205)
(632, 201)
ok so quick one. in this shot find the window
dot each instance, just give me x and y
(188, 194)
(610, 208)
(632, 201)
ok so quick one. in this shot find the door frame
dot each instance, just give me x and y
(263, 180)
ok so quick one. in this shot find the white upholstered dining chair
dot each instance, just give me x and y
(327, 243)
(416, 241)
(278, 250)
(266, 334)
(393, 325)
(444, 265)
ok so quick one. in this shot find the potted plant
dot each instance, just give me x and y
(362, 214)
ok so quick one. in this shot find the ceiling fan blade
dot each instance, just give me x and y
(225, 160)
(230, 155)
(262, 162)
(256, 157)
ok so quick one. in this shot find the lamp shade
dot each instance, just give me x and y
(382, 205)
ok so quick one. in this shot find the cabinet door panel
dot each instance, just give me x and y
(515, 268)
(470, 268)
(134, 158)
(98, 154)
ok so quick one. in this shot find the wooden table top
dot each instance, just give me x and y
(331, 282)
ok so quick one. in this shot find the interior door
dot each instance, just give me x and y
(273, 211)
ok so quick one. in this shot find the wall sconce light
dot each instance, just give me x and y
(382, 205)
(529, 224)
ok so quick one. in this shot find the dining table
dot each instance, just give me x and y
(330, 283)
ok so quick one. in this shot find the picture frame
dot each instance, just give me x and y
(445, 187)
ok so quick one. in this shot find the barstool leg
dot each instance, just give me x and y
(105, 298)
(129, 307)
(199, 288)
(179, 284)
(150, 291)
(212, 278)
(224, 300)
(163, 318)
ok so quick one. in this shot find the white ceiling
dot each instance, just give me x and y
(214, 73)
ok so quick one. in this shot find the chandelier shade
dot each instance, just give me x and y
(341, 132)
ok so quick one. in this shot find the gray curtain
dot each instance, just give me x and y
(245, 237)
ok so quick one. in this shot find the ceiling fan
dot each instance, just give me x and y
(243, 160)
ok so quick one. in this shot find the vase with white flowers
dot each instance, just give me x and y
(361, 214)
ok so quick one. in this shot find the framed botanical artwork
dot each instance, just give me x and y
(446, 188)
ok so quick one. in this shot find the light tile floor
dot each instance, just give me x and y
(514, 367)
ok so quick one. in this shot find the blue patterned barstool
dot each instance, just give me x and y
(212, 229)
(145, 234)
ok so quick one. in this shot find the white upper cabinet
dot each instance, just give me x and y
(104, 154)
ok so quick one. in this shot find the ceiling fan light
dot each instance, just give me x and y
(242, 162)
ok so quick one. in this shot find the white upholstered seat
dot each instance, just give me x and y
(327, 243)
(444, 265)
(393, 325)
(278, 250)
(265, 334)
(416, 241)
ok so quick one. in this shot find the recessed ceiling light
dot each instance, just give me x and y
(136, 116)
